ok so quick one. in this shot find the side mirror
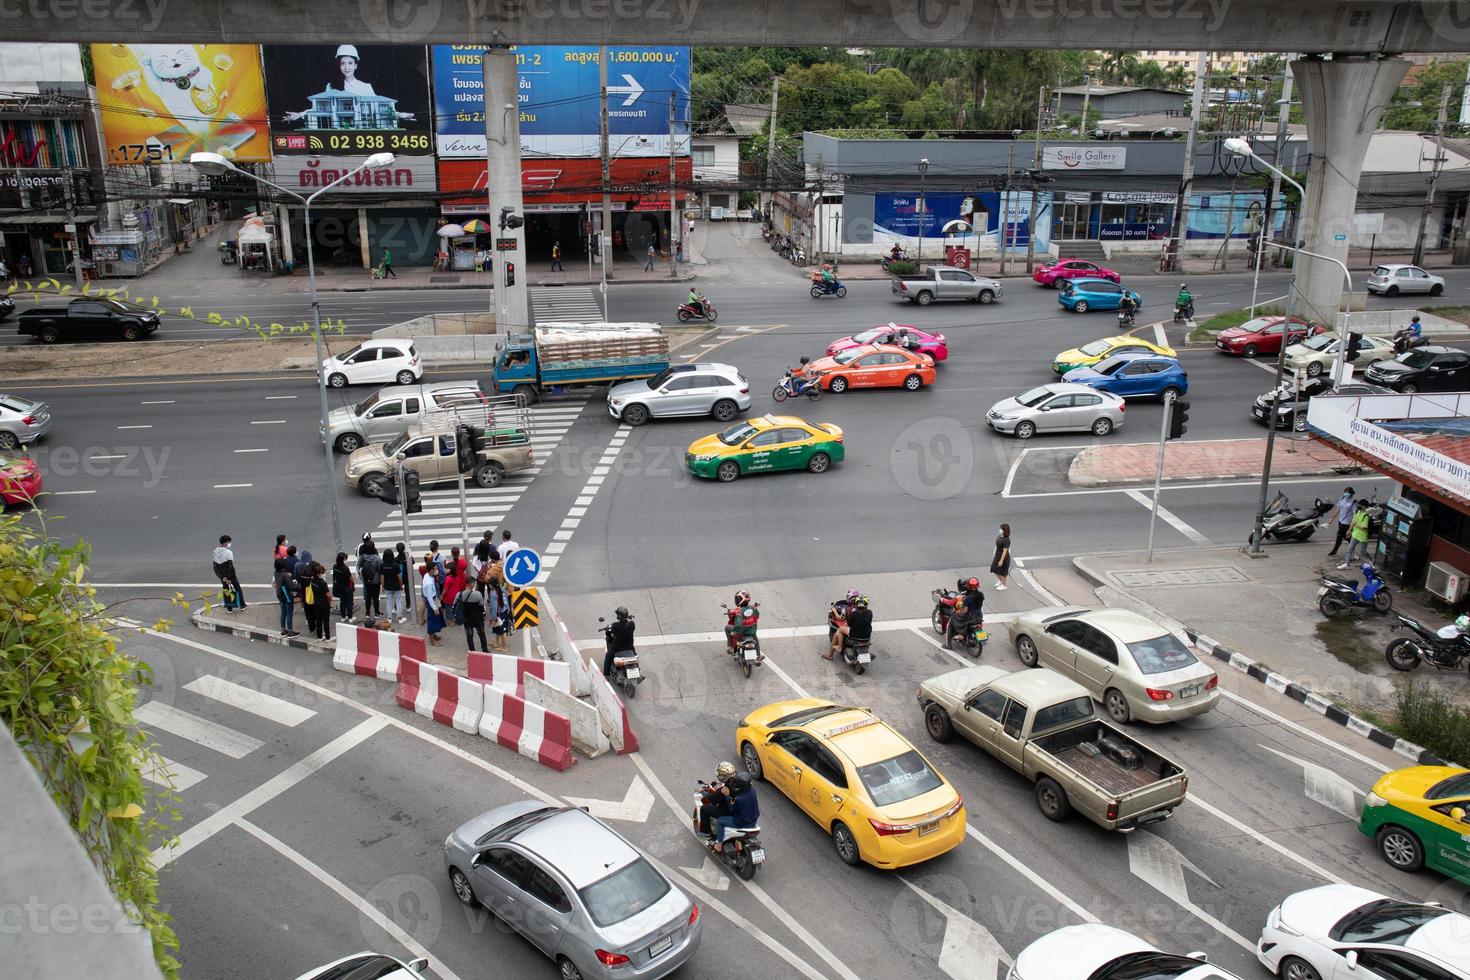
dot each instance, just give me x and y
(419, 965)
(1199, 955)
(1457, 813)
(1351, 957)
(477, 859)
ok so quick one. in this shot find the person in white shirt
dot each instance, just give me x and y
(508, 546)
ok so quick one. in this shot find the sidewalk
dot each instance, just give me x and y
(1099, 466)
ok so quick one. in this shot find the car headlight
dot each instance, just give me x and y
(616, 402)
(1274, 921)
(1373, 799)
(703, 457)
(1005, 418)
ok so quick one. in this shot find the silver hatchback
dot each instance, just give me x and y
(1390, 280)
(576, 889)
(705, 388)
(1058, 407)
(22, 421)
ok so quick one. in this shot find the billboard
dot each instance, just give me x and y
(898, 214)
(407, 175)
(162, 102)
(566, 184)
(347, 98)
(558, 95)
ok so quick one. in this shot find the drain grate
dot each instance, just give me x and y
(1220, 575)
(444, 279)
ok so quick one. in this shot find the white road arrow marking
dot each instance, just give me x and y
(1324, 786)
(969, 951)
(634, 807)
(632, 90)
(1160, 864)
(709, 875)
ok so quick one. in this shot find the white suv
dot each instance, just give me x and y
(718, 390)
(374, 362)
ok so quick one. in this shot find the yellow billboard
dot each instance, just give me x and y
(162, 102)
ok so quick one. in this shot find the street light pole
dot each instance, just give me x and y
(923, 207)
(215, 163)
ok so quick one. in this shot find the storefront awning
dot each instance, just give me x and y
(1422, 440)
(18, 220)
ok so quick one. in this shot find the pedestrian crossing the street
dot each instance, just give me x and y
(573, 304)
(485, 507)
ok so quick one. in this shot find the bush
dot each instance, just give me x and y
(1434, 721)
(67, 694)
(905, 268)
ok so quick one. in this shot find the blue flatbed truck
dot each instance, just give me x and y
(560, 356)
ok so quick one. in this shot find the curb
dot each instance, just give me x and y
(218, 625)
(1281, 684)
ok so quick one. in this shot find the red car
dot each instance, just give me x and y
(1263, 335)
(20, 480)
(919, 341)
(1062, 270)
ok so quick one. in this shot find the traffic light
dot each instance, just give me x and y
(1177, 417)
(510, 273)
(411, 492)
(509, 219)
(464, 448)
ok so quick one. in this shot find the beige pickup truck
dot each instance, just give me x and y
(1043, 725)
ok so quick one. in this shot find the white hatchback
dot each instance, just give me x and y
(374, 362)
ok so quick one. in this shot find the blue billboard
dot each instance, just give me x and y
(559, 104)
(899, 215)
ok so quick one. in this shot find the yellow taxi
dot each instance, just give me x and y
(860, 780)
(1417, 817)
(1100, 350)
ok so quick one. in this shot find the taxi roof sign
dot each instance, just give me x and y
(852, 726)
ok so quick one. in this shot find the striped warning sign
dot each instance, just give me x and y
(524, 609)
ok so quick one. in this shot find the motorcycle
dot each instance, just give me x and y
(1184, 313)
(1338, 595)
(745, 649)
(821, 287)
(889, 259)
(1126, 320)
(1404, 341)
(698, 311)
(857, 654)
(1284, 523)
(1445, 649)
(791, 387)
(742, 850)
(626, 673)
(972, 640)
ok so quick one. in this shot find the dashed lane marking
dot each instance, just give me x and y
(257, 703)
(212, 736)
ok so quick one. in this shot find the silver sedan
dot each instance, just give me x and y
(1057, 407)
(22, 421)
(576, 889)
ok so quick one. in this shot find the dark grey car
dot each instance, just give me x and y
(575, 889)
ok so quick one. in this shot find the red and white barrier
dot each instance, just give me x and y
(509, 673)
(587, 735)
(561, 645)
(374, 653)
(442, 695)
(530, 729)
(614, 715)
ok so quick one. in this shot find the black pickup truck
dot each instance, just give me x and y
(87, 319)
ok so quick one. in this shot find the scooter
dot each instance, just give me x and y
(890, 258)
(1126, 320)
(745, 649)
(820, 287)
(1404, 341)
(1288, 524)
(1184, 313)
(1338, 595)
(626, 673)
(742, 850)
(698, 311)
(791, 387)
(857, 654)
(1445, 649)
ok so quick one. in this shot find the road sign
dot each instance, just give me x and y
(524, 608)
(505, 244)
(1339, 237)
(522, 567)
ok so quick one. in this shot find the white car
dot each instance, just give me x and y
(1390, 280)
(375, 362)
(1342, 931)
(1099, 952)
(1317, 354)
(363, 965)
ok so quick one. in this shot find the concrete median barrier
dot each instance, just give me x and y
(614, 716)
(441, 695)
(529, 729)
(587, 734)
(374, 653)
(509, 673)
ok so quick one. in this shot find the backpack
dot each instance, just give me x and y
(309, 596)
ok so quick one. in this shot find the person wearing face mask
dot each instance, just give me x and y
(1000, 565)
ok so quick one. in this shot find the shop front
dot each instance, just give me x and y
(393, 207)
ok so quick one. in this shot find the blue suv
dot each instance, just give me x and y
(1081, 295)
(1134, 375)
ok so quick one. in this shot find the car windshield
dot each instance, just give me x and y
(1032, 398)
(1095, 348)
(738, 433)
(350, 354)
(900, 778)
(1110, 365)
(1416, 358)
(115, 306)
(1447, 788)
(868, 336)
(1057, 715)
(1152, 965)
(362, 407)
(624, 893)
(657, 381)
(1160, 654)
(395, 447)
(1320, 342)
(1384, 921)
(847, 356)
(370, 967)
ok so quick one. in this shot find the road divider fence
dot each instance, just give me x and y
(508, 673)
(527, 728)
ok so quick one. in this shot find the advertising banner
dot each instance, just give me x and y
(347, 98)
(559, 104)
(898, 214)
(565, 184)
(1084, 156)
(407, 175)
(162, 102)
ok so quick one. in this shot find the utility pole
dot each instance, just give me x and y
(1153, 517)
(1086, 102)
(771, 149)
(1035, 180)
(1273, 195)
(1444, 109)
(1006, 238)
(676, 224)
(923, 207)
(604, 237)
(1186, 180)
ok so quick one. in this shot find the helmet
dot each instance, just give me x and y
(973, 583)
(1463, 623)
(348, 51)
(862, 600)
(725, 771)
(852, 595)
(805, 359)
(621, 612)
(742, 597)
(1184, 285)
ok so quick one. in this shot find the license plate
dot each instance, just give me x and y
(1190, 691)
(634, 673)
(1220, 344)
(750, 656)
(757, 855)
(1322, 591)
(1258, 413)
(864, 658)
(661, 946)
(928, 828)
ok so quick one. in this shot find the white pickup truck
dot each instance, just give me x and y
(945, 283)
(1043, 725)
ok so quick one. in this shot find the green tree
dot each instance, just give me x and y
(1426, 89)
(928, 111)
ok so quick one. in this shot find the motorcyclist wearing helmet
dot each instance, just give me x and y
(743, 616)
(837, 622)
(968, 610)
(696, 301)
(1128, 306)
(713, 802)
(800, 380)
(620, 638)
(745, 809)
(1185, 300)
(860, 620)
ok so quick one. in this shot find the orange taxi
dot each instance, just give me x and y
(873, 366)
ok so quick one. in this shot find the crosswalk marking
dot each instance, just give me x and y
(577, 304)
(171, 774)
(167, 718)
(257, 703)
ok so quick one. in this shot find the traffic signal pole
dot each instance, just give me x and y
(1153, 517)
(403, 513)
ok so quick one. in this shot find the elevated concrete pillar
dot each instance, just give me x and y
(1342, 99)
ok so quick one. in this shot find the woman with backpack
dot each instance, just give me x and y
(370, 567)
(318, 601)
(343, 586)
(393, 588)
(285, 588)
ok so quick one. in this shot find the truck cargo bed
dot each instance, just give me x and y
(1107, 773)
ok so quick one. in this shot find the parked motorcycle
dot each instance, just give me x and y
(792, 387)
(1339, 595)
(745, 649)
(626, 673)
(698, 311)
(857, 654)
(821, 287)
(1445, 649)
(1285, 523)
(742, 851)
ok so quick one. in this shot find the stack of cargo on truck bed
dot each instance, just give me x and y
(559, 356)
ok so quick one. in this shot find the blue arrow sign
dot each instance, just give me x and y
(522, 567)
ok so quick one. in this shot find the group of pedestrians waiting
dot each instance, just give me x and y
(469, 591)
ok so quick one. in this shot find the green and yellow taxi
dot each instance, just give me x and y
(1418, 816)
(766, 444)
